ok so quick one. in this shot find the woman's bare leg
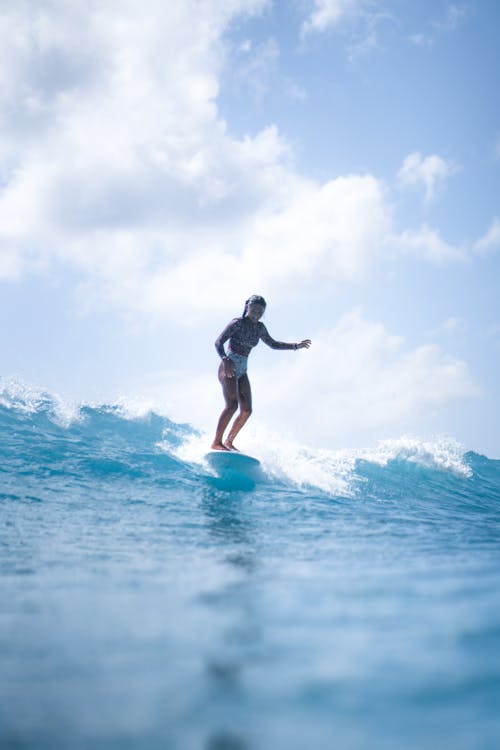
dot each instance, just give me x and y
(230, 392)
(244, 394)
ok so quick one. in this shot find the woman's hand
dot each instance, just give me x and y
(304, 344)
(229, 367)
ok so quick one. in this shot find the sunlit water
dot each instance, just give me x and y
(352, 600)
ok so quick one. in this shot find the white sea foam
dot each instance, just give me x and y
(332, 471)
(282, 460)
(440, 452)
(193, 449)
(30, 399)
(137, 407)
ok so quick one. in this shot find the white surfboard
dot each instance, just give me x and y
(235, 466)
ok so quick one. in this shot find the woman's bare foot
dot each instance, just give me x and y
(219, 447)
(230, 447)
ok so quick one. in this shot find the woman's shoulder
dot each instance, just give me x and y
(233, 324)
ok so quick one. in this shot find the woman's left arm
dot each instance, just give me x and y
(268, 339)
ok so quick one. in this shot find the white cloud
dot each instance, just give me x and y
(489, 241)
(429, 171)
(131, 141)
(358, 20)
(245, 46)
(426, 243)
(295, 91)
(357, 382)
(329, 13)
(421, 40)
(121, 168)
(451, 324)
(330, 232)
(259, 67)
(454, 17)
(336, 229)
(126, 171)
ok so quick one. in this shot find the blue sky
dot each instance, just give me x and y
(341, 157)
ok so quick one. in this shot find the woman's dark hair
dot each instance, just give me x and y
(255, 299)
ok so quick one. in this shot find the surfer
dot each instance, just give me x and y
(243, 334)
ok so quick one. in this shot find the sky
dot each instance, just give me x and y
(161, 162)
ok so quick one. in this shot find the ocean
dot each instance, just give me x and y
(351, 600)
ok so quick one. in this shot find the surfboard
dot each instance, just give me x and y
(235, 467)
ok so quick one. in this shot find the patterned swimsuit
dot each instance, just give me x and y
(243, 334)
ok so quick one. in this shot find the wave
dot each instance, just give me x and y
(42, 434)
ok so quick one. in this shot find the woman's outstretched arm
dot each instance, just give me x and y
(268, 339)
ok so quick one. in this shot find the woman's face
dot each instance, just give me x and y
(255, 311)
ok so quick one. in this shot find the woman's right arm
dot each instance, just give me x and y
(224, 336)
(228, 364)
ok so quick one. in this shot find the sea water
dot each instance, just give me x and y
(350, 600)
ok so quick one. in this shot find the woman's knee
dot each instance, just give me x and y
(246, 410)
(232, 405)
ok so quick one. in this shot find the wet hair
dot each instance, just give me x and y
(255, 299)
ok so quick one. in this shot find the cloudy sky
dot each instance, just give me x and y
(160, 162)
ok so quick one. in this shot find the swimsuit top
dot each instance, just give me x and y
(243, 335)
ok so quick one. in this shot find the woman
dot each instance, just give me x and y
(243, 333)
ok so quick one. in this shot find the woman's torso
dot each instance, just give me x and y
(245, 334)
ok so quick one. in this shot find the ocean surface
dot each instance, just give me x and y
(351, 600)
